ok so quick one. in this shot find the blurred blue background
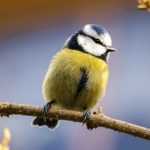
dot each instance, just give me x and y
(31, 32)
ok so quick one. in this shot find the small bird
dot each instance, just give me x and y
(77, 75)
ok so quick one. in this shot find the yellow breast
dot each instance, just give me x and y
(63, 76)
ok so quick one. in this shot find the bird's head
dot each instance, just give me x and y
(92, 39)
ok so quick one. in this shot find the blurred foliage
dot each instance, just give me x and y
(144, 5)
(4, 144)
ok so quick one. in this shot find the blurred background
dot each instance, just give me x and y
(32, 31)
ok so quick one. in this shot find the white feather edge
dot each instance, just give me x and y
(90, 46)
(89, 31)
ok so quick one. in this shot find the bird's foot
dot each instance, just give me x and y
(90, 124)
(86, 116)
(45, 120)
(46, 109)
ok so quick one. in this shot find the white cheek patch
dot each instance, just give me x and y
(90, 46)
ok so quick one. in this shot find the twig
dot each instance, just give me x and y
(99, 120)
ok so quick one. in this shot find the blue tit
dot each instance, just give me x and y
(78, 74)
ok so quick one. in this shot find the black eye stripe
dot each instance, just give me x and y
(94, 39)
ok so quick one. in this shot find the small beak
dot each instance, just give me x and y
(110, 49)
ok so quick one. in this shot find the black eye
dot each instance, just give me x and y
(97, 41)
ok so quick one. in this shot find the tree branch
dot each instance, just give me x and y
(99, 120)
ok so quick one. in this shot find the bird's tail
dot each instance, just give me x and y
(49, 122)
